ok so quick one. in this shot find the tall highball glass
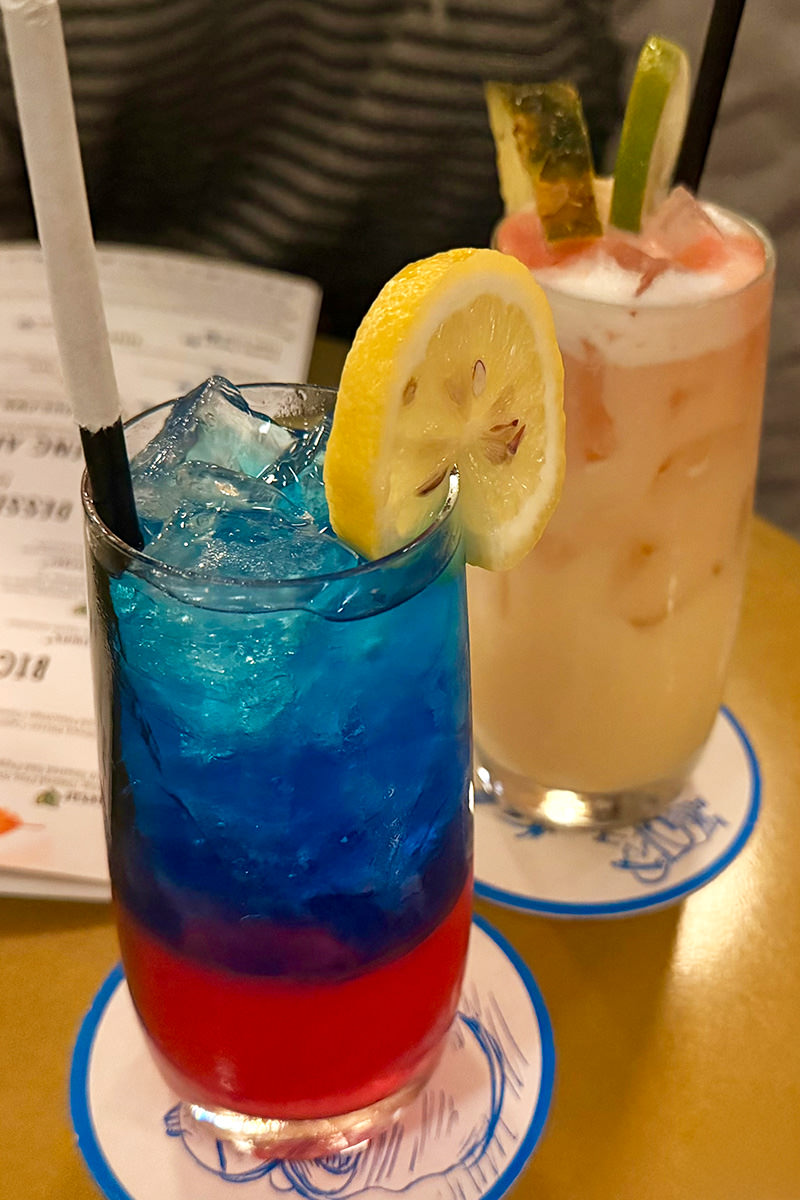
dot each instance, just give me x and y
(285, 768)
(599, 662)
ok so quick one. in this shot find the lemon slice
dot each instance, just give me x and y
(544, 156)
(454, 365)
(652, 130)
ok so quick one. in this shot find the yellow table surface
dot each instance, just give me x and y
(677, 1033)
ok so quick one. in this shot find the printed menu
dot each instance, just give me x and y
(173, 320)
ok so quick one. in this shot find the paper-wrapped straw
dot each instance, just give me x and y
(40, 76)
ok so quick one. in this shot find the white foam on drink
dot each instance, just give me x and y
(600, 278)
(681, 314)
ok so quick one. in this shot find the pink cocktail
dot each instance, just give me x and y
(599, 662)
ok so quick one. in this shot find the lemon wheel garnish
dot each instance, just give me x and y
(454, 365)
(652, 131)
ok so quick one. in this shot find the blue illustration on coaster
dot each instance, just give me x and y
(468, 1135)
(575, 873)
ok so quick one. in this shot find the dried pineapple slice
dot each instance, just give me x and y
(544, 156)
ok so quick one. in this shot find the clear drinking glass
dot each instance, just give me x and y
(598, 664)
(286, 770)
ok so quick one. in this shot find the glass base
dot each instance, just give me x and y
(561, 808)
(305, 1138)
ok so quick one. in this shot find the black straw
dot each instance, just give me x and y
(717, 51)
(110, 477)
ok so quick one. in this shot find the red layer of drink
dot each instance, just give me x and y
(295, 1049)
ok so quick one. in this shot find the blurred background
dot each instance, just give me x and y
(340, 139)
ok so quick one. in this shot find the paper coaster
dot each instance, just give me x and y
(575, 873)
(468, 1134)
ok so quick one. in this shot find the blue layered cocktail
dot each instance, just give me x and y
(285, 750)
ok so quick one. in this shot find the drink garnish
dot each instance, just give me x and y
(652, 130)
(454, 365)
(544, 156)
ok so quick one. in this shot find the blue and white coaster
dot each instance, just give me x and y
(575, 873)
(468, 1135)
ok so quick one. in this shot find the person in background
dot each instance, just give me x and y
(334, 138)
(341, 139)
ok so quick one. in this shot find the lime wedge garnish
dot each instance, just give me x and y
(652, 131)
(544, 156)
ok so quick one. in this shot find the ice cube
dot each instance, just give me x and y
(298, 471)
(522, 236)
(647, 262)
(214, 424)
(195, 485)
(224, 489)
(591, 436)
(230, 525)
(683, 232)
(689, 530)
(645, 581)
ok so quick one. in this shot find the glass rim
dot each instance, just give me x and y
(202, 580)
(549, 285)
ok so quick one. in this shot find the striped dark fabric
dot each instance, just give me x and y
(337, 138)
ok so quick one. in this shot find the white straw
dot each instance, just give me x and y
(39, 72)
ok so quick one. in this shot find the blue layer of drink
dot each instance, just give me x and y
(269, 750)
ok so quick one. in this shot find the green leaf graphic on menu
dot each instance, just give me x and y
(51, 797)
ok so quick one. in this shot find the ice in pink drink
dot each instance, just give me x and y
(598, 663)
